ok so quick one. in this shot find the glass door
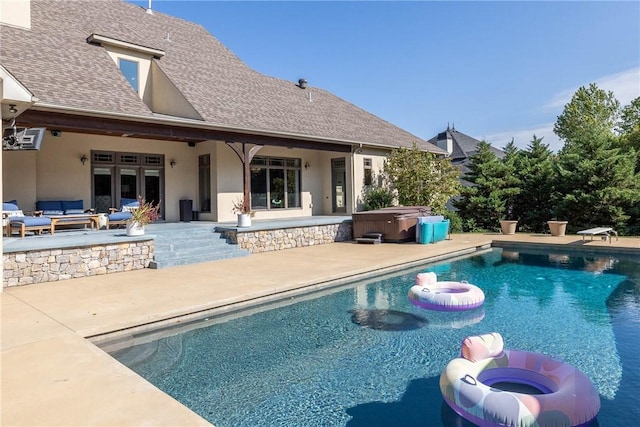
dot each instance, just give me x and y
(152, 189)
(103, 184)
(118, 176)
(338, 185)
(128, 183)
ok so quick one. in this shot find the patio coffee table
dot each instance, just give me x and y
(93, 220)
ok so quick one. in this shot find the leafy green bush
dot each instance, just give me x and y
(455, 222)
(378, 197)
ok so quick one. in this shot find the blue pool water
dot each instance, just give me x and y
(363, 355)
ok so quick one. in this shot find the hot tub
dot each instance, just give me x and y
(397, 224)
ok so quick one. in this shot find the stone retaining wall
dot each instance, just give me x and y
(278, 239)
(50, 265)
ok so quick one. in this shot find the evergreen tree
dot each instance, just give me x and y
(535, 169)
(630, 143)
(597, 180)
(512, 181)
(484, 202)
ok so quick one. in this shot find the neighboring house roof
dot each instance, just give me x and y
(55, 62)
(463, 147)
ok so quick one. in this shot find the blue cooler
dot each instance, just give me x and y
(427, 237)
(420, 220)
(426, 232)
(440, 230)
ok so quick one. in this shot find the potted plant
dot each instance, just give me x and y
(141, 216)
(244, 212)
(557, 228)
(508, 226)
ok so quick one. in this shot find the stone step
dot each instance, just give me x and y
(195, 259)
(186, 244)
(368, 240)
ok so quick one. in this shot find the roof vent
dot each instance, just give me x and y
(149, 10)
(302, 83)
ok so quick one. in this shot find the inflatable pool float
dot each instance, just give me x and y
(490, 386)
(444, 296)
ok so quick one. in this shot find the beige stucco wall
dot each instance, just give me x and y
(16, 13)
(227, 179)
(55, 172)
(378, 158)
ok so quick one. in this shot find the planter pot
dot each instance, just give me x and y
(135, 229)
(508, 227)
(244, 220)
(558, 228)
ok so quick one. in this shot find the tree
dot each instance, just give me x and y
(422, 179)
(535, 170)
(512, 186)
(484, 202)
(629, 128)
(591, 112)
(596, 179)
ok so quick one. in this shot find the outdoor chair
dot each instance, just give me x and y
(14, 219)
(119, 217)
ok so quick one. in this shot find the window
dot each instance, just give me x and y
(368, 171)
(204, 182)
(130, 71)
(275, 183)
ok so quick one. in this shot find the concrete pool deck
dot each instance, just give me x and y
(54, 375)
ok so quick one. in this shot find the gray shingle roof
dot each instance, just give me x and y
(54, 61)
(464, 146)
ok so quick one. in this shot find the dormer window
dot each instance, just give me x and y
(130, 71)
(138, 64)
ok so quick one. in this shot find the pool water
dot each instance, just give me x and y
(363, 355)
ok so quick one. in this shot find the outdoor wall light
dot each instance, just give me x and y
(173, 163)
(84, 159)
(12, 108)
(306, 165)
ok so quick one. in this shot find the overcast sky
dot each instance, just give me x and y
(495, 70)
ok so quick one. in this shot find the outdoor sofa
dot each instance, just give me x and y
(67, 212)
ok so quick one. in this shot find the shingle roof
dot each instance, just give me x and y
(60, 68)
(464, 146)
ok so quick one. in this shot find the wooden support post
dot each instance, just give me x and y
(245, 156)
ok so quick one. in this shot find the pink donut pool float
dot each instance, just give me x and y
(444, 296)
(490, 386)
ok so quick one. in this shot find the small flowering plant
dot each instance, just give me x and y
(145, 213)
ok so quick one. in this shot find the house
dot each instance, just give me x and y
(460, 147)
(129, 101)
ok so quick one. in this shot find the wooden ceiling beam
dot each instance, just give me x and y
(139, 129)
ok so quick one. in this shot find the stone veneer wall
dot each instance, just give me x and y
(50, 265)
(278, 239)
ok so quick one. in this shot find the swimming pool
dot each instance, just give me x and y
(363, 355)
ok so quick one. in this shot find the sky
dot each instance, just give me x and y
(493, 70)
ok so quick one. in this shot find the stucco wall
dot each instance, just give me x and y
(55, 172)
